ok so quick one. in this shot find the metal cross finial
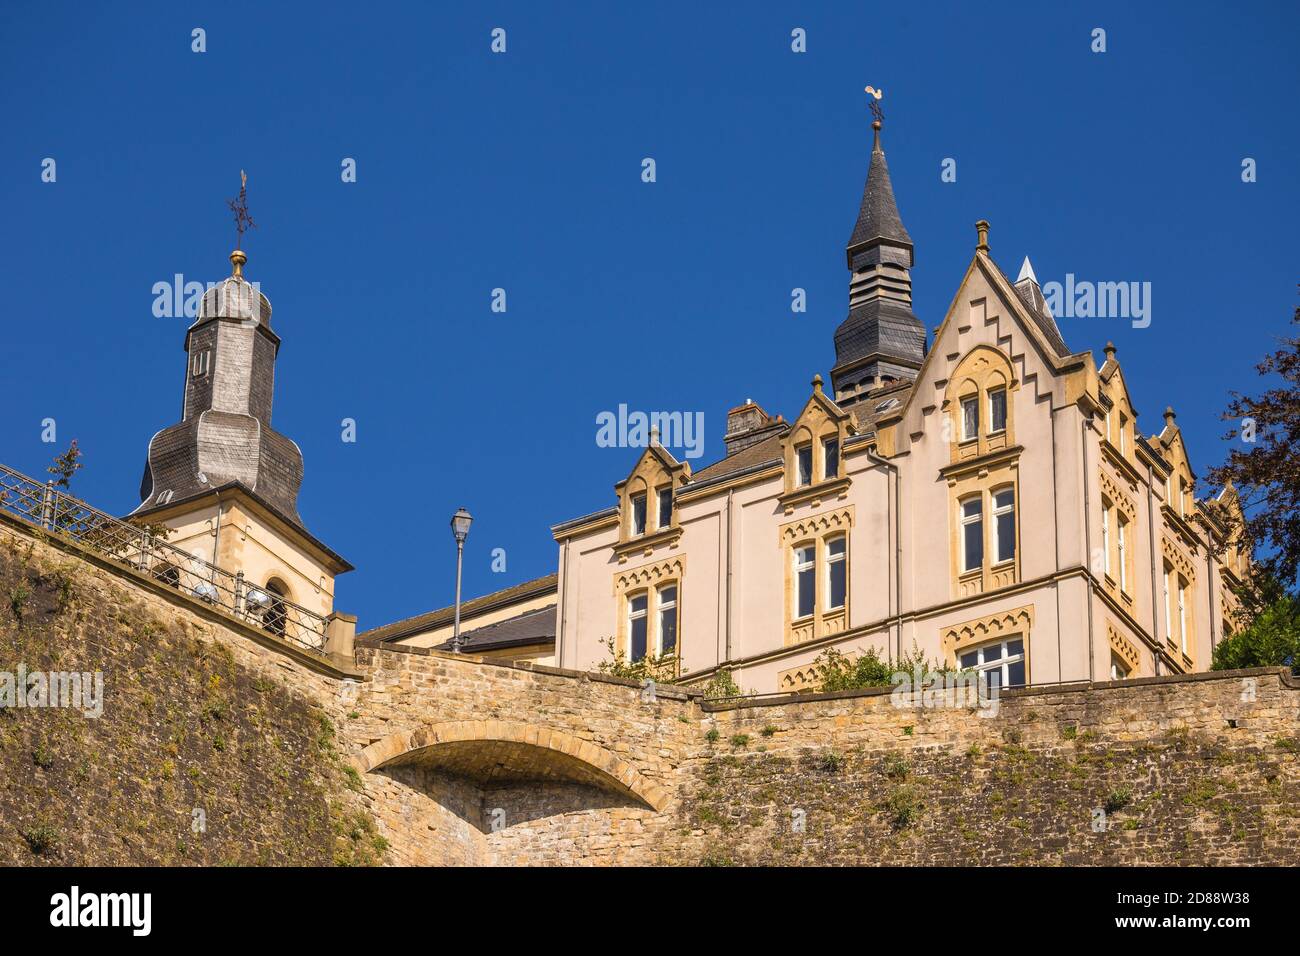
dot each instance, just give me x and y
(239, 206)
(874, 103)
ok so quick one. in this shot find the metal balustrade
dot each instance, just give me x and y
(59, 513)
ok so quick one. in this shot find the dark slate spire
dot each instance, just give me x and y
(878, 217)
(881, 340)
(225, 433)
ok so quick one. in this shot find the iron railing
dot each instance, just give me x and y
(136, 547)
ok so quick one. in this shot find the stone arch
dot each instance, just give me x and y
(471, 747)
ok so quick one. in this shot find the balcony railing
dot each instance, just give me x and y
(59, 513)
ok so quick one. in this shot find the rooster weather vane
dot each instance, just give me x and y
(874, 103)
(239, 206)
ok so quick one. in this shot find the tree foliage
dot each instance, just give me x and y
(1271, 640)
(1264, 468)
(66, 465)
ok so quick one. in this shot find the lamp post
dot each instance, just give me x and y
(460, 523)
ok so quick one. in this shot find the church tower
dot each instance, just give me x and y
(881, 341)
(224, 481)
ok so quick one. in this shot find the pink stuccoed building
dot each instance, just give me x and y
(986, 499)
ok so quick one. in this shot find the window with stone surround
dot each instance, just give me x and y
(1002, 662)
(817, 577)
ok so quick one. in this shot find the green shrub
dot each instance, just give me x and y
(903, 807)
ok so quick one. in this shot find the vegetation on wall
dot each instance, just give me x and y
(838, 671)
(664, 669)
(194, 759)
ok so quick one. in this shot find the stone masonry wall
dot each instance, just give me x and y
(1194, 770)
(211, 747)
(412, 756)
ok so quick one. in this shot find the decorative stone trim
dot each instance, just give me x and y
(806, 677)
(1117, 496)
(1175, 556)
(1125, 648)
(649, 575)
(990, 628)
(814, 526)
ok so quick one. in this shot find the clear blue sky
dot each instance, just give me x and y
(522, 171)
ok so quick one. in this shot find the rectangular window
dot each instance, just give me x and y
(201, 362)
(972, 534)
(668, 619)
(970, 418)
(636, 627)
(998, 410)
(665, 507)
(1004, 525)
(1105, 534)
(638, 514)
(831, 458)
(1122, 551)
(836, 573)
(1182, 613)
(1003, 662)
(1169, 632)
(1118, 669)
(805, 581)
(803, 462)
(1123, 434)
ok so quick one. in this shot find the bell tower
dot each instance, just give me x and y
(881, 341)
(223, 480)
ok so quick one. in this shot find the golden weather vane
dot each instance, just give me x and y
(239, 206)
(874, 103)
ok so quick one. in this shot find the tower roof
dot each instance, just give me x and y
(225, 434)
(881, 340)
(878, 217)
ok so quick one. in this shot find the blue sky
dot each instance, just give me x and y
(523, 171)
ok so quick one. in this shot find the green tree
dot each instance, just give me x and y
(1272, 639)
(66, 465)
(1265, 470)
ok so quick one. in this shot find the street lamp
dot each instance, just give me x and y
(460, 523)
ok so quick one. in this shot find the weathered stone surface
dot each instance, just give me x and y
(463, 761)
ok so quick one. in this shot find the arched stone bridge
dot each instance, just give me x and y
(542, 744)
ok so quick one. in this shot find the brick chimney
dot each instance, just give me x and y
(748, 425)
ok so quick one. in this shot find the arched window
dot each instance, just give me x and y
(275, 615)
(168, 574)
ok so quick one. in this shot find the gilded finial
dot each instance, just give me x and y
(237, 260)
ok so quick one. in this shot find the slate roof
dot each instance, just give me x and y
(222, 447)
(880, 326)
(769, 449)
(868, 411)
(878, 215)
(531, 627)
(445, 615)
(1032, 296)
(225, 434)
